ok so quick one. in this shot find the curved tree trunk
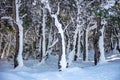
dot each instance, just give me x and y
(18, 60)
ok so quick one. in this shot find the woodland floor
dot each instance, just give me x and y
(79, 70)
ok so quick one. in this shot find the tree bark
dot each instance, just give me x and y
(18, 60)
(97, 35)
(17, 36)
(84, 49)
(60, 50)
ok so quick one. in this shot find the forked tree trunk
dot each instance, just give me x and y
(62, 64)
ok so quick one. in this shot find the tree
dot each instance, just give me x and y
(62, 64)
(18, 60)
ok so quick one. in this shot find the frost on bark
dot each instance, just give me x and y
(43, 40)
(18, 60)
(62, 56)
(101, 46)
(74, 54)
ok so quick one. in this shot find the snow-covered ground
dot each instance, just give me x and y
(48, 71)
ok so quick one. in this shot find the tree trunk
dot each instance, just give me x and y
(76, 49)
(97, 35)
(84, 49)
(60, 50)
(18, 60)
(17, 47)
(43, 36)
(78, 45)
(101, 45)
(96, 49)
(17, 36)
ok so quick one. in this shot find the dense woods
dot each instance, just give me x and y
(69, 29)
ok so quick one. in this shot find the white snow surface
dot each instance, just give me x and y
(33, 70)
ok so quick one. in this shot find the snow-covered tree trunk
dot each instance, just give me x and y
(40, 49)
(101, 46)
(50, 47)
(62, 64)
(43, 36)
(68, 47)
(72, 55)
(86, 41)
(89, 28)
(78, 47)
(18, 56)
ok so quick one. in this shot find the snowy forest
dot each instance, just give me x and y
(64, 34)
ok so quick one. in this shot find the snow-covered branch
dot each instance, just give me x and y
(92, 27)
(66, 26)
(7, 17)
(58, 11)
(24, 15)
(54, 43)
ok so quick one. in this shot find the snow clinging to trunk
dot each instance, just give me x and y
(101, 46)
(58, 25)
(19, 24)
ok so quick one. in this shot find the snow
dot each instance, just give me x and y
(109, 4)
(33, 70)
(101, 46)
(54, 42)
(70, 57)
(19, 58)
(43, 35)
(18, 22)
(34, 3)
(7, 17)
(58, 25)
(79, 46)
(72, 53)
